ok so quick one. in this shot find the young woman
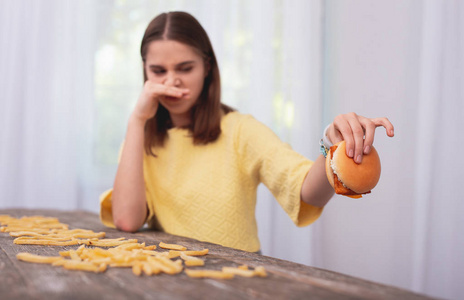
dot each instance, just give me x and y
(190, 165)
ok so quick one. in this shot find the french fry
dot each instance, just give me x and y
(99, 261)
(24, 233)
(237, 271)
(167, 266)
(24, 228)
(76, 230)
(208, 274)
(52, 226)
(59, 262)
(80, 249)
(74, 256)
(45, 242)
(84, 266)
(197, 253)
(84, 235)
(29, 257)
(64, 253)
(172, 246)
(241, 271)
(260, 271)
(97, 252)
(192, 261)
(155, 253)
(155, 266)
(137, 268)
(151, 247)
(130, 246)
(116, 240)
(175, 253)
(61, 235)
(68, 252)
(110, 242)
(121, 264)
(34, 226)
(39, 219)
(6, 218)
(147, 269)
(44, 237)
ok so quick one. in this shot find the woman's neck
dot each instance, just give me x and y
(180, 120)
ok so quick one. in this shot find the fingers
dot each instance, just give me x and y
(358, 136)
(342, 126)
(147, 105)
(369, 132)
(157, 89)
(358, 133)
(385, 123)
(172, 91)
(352, 133)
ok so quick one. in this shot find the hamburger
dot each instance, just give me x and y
(349, 178)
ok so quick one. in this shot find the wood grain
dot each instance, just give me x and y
(286, 280)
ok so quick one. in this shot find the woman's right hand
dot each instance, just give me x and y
(148, 101)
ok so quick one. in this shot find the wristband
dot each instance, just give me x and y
(325, 143)
(325, 138)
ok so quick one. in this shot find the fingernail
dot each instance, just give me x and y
(358, 159)
(350, 154)
(391, 132)
(367, 149)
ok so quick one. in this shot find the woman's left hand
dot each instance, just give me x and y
(358, 133)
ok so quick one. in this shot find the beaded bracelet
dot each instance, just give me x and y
(324, 150)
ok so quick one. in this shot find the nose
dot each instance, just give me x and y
(172, 80)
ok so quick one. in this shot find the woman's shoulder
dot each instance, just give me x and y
(235, 118)
(244, 127)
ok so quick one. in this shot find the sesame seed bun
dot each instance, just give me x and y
(349, 178)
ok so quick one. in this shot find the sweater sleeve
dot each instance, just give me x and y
(274, 163)
(106, 210)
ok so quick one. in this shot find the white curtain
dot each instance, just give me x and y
(404, 60)
(46, 95)
(439, 207)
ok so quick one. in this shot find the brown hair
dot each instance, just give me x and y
(206, 113)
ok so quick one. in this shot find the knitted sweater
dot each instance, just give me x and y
(208, 192)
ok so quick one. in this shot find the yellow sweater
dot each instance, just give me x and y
(208, 192)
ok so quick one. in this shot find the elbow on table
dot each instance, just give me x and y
(126, 225)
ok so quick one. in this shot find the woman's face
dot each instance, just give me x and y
(175, 64)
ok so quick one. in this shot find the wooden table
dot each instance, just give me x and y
(286, 280)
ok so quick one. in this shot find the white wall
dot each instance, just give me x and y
(403, 59)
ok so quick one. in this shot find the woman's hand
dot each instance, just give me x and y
(148, 102)
(357, 132)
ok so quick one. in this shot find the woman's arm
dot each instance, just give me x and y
(316, 189)
(358, 133)
(129, 203)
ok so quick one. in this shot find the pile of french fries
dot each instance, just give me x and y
(119, 253)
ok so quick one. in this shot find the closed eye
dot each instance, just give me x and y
(158, 71)
(186, 69)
